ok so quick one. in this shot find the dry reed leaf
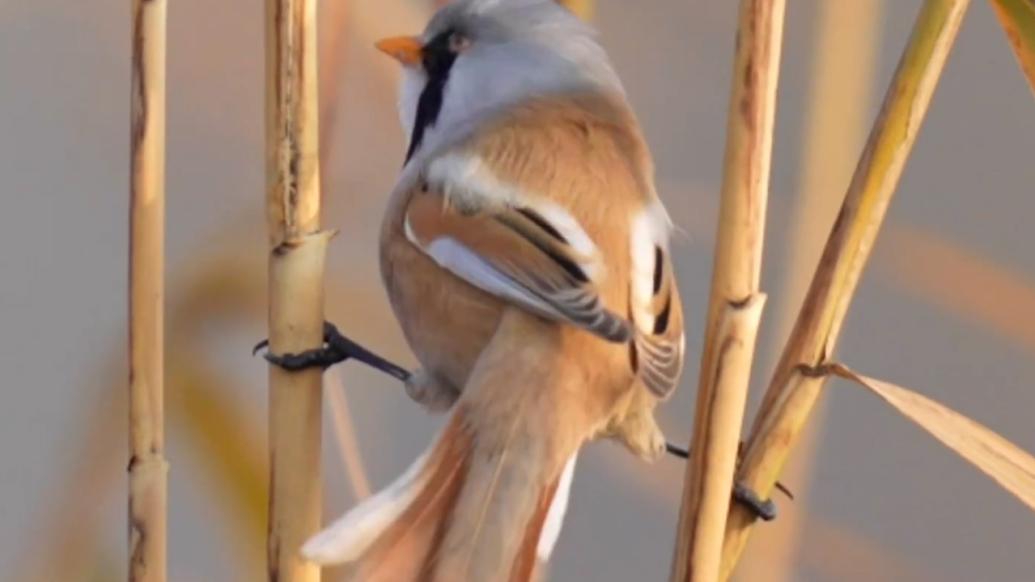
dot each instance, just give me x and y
(1018, 20)
(1006, 463)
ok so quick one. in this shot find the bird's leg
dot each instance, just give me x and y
(336, 349)
(421, 387)
(763, 509)
(430, 392)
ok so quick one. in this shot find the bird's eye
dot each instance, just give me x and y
(458, 43)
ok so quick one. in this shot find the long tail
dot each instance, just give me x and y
(459, 513)
(476, 506)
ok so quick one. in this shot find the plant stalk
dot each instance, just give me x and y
(838, 102)
(148, 469)
(296, 272)
(735, 307)
(792, 394)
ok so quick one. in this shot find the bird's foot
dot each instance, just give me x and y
(742, 494)
(430, 392)
(336, 349)
(763, 509)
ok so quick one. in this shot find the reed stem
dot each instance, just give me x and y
(296, 271)
(148, 469)
(792, 394)
(735, 307)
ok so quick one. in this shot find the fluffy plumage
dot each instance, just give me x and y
(526, 256)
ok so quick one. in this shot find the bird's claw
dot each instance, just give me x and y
(336, 348)
(763, 509)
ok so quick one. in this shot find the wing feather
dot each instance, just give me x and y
(516, 254)
(656, 310)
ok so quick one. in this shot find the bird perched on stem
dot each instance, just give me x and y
(526, 256)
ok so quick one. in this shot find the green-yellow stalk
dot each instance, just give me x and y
(793, 393)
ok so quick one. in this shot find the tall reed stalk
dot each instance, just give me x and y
(735, 307)
(296, 268)
(846, 49)
(794, 388)
(148, 469)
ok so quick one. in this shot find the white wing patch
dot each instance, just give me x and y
(518, 246)
(650, 232)
(469, 266)
(468, 183)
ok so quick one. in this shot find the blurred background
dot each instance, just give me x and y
(947, 306)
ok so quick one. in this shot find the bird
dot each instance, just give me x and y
(526, 255)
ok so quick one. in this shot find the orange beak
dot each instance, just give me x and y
(408, 50)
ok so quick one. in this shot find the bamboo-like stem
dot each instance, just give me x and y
(792, 393)
(735, 307)
(296, 267)
(847, 46)
(148, 469)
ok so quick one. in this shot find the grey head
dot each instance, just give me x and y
(479, 57)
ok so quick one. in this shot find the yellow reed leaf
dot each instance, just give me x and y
(1018, 20)
(1006, 463)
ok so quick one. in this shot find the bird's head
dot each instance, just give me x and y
(476, 58)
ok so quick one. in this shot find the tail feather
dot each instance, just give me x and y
(405, 519)
(347, 539)
(487, 501)
(555, 516)
(456, 514)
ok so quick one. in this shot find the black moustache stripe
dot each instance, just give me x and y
(438, 62)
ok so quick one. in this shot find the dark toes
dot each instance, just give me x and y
(763, 509)
(260, 346)
(321, 359)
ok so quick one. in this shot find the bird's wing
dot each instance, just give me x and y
(655, 307)
(527, 252)
(553, 208)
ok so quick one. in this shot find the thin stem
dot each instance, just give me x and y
(296, 269)
(839, 100)
(735, 308)
(147, 467)
(792, 395)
